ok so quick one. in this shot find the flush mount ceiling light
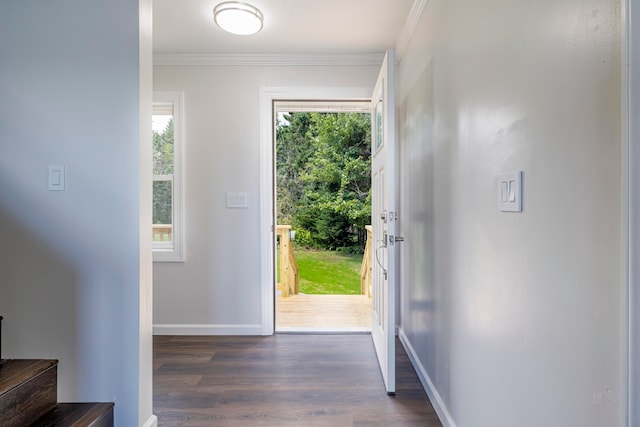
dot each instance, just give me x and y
(238, 18)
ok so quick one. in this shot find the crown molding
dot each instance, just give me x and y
(185, 59)
(409, 27)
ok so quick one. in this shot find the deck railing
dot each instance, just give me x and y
(288, 277)
(162, 232)
(365, 270)
(288, 268)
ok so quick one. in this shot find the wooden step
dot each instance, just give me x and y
(28, 390)
(78, 415)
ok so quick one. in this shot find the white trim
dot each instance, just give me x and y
(195, 329)
(436, 400)
(267, 59)
(409, 27)
(267, 243)
(331, 106)
(267, 249)
(151, 422)
(163, 177)
(176, 253)
(324, 330)
(631, 146)
(625, 95)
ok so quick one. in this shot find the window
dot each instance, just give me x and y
(168, 237)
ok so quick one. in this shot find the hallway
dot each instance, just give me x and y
(282, 380)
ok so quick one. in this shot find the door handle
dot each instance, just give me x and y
(383, 245)
(384, 270)
(393, 239)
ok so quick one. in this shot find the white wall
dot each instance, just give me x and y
(516, 319)
(218, 288)
(70, 263)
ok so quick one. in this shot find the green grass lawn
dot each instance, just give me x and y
(328, 272)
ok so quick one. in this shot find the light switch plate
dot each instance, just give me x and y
(510, 192)
(237, 200)
(56, 178)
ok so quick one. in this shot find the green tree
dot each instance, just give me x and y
(325, 168)
(293, 149)
(163, 165)
(163, 150)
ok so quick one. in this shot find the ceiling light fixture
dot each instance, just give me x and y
(238, 18)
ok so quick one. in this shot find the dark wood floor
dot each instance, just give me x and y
(282, 380)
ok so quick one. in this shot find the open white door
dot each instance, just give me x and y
(383, 177)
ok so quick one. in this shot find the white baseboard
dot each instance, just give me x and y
(323, 330)
(436, 400)
(207, 329)
(151, 422)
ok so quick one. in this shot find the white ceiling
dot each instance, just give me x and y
(290, 27)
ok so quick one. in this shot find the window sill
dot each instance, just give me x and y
(163, 255)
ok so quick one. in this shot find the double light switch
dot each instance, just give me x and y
(510, 192)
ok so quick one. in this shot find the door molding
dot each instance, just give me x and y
(268, 95)
(631, 167)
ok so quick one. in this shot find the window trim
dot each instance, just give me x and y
(161, 251)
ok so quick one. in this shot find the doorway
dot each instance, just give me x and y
(268, 98)
(322, 202)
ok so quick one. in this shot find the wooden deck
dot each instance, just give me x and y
(323, 313)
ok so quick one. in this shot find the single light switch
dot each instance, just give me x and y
(56, 178)
(510, 192)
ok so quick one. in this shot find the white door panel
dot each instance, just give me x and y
(383, 175)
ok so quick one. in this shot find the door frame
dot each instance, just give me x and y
(268, 95)
(631, 168)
